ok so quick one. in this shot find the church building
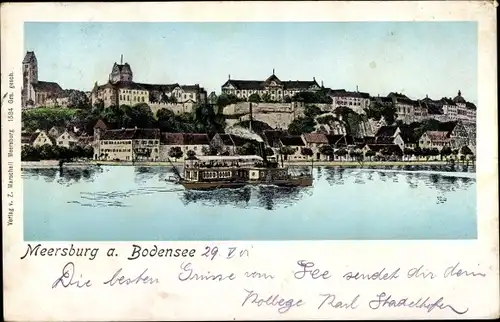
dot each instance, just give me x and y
(122, 90)
(34, 92)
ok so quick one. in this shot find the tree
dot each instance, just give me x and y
(426, 152)
(254, 98)
(465, 150)
(408, 152)
(210, 150)
(370, 154)
(191, 155)
(269, 152)
(286, 151)
(287, 99)
(306, 152)
(417, 152)
(301, 125)
(175, 152)
(247, 149)
(312, 111)
(434, 152)
(227, 99)
(445, 151)
(266, 98)
(341, 152)
(326, 150)
(78, 99)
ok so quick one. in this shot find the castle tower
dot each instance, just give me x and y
(121, 72)
(30, 76)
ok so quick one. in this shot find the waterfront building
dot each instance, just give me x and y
(67, 139)
(133, 144)
(273, 87)
(37, 139)
(35, 92)
(434, 139)
(387, 135)
(314, 141)
(55, 131)
(198, 143)
(296, 143)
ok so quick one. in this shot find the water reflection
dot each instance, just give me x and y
(153, 181)
(66, 176)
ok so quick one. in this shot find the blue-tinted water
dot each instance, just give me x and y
(137, 203)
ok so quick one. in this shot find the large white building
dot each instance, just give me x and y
(273, 87)
(122, 90)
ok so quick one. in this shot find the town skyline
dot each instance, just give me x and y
(399, 59)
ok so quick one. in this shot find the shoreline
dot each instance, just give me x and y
(55, 163)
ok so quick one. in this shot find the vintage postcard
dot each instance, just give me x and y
(249, 161)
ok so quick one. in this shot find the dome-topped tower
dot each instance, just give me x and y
(121, 72)
(459, 98)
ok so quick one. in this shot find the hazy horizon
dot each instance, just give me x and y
(414, 58)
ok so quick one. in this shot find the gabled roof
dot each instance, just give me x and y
(226, 139)
(272, 136)
(239, 141)
(71, 135)
(245, 84)
(273, 78)
(146, 134)
(100, 124)
(299, 84)
(128, 85)
(123, 67)
(191, 88)
(165, 88)
(334, 138)
(344, 93)
(292, 140)
(42, 86)
(433, 107)
(119, 134)
(29, 58)
(387, 130)
(260, 85)
(172, 138)
(408, 135)
(131, 134)
(317, 138)
(384, 140)
(398, 96)
(438, 136)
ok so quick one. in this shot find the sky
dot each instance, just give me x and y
(414, 58)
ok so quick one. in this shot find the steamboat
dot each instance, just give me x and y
(212, 172)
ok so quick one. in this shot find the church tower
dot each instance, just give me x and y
(120, 72)
(30, 76)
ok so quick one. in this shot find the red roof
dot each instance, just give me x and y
(318, 138)
(438, 136)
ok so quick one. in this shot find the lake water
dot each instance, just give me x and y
(125, 203)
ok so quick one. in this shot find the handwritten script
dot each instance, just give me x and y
(256, 289)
